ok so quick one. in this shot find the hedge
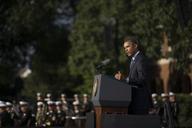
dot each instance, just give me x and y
(185, 110)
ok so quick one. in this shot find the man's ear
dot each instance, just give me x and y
(136, 46)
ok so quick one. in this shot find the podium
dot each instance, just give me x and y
(109, 96)
(111, 99)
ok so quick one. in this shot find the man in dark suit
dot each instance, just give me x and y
(137, 77)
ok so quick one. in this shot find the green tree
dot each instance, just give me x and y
(67, 52)
(50, 73)
(95, 37)
(100, 26)
(150, 19)
(38, 24)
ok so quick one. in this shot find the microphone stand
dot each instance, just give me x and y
(99, 69)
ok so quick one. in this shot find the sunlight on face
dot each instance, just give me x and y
(130, 48)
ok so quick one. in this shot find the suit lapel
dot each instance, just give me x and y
(132, 67)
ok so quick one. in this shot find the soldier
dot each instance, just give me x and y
(76, 105)
(14, 114)
(156, 106)
(165, 112)
(40, 114)
(76, 99)
(39, 97)
(50, 119)
(48, 97)
(27, 119)
(5, 118)
(9, 106)
(70, 113)
(87, 106)
(60, 114)
(63, 98)
(64, 103)
(174, 108)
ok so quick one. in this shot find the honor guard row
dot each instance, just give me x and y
(167, 107)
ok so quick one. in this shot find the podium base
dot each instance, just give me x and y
(130, 121)
(124, 121)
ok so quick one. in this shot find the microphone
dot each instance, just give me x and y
(104, 63)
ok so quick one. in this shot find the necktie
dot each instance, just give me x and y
(131, 64)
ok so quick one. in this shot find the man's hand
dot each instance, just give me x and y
(119, 75)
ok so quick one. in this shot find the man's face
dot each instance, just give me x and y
(130, 48)
(172, 98)
(2, 109)
(24, 108)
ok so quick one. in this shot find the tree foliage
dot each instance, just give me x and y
(70, 38)
(34, 24)
(100, 26)
(50, 73)
(92, 39)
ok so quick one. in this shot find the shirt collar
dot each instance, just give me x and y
(133, 58)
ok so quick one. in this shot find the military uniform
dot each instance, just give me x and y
(13, 112)
(5, 117)
(61, 115)
(64, 103)
(50, 119)
(26, 118)
(40, 115)
(156, 105)
(165, 112)
(51, 115)
(87, 105)
(174, 108)
(61, 118)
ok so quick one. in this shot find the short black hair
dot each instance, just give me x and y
(132, 39)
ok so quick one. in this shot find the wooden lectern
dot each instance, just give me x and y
(109, 96)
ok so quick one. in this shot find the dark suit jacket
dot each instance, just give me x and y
(138, 79)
